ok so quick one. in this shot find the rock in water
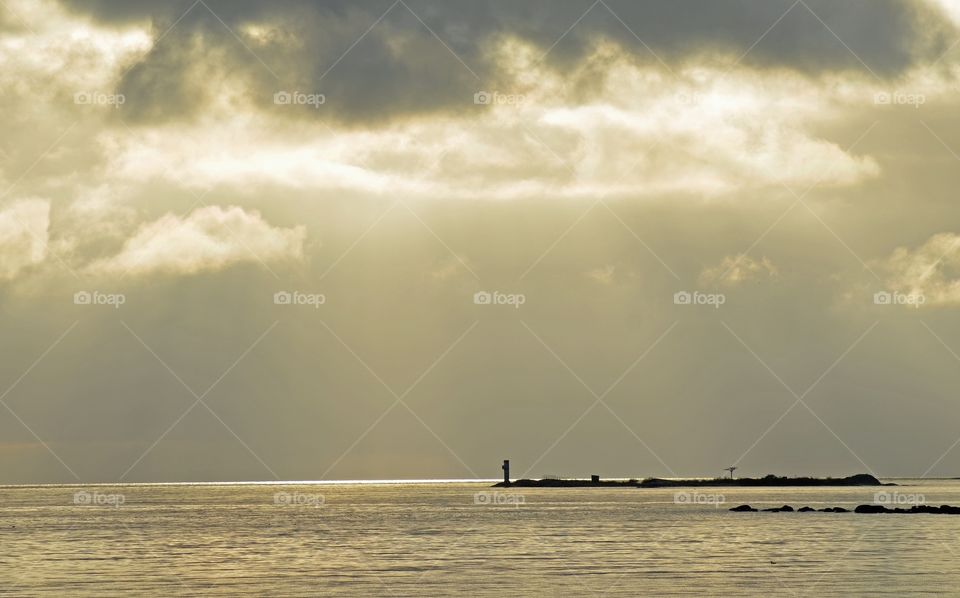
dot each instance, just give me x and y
(783, 509)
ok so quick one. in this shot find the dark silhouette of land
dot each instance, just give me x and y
(566, 483)
(860, 479)
(869, 509)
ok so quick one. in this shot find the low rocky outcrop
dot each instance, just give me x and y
(863, 509)
(783, 509)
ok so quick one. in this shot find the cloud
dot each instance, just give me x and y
(209, 239)
(931, 270)
(375, 64)
(23, 236)
(705, 132)
(736, 270)
(613, 122)
(604, 275)
(449, 268)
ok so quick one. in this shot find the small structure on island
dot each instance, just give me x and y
(731, 470)
(595, 479)
(506, 472)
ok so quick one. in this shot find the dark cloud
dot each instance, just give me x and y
(167, 84)
(399, 68)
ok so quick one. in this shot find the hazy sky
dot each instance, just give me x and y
(168, 168)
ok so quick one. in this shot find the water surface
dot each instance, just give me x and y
(445, 539)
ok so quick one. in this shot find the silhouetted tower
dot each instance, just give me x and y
(731, 470)
(506, 472)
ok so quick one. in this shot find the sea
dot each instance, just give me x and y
(465, 538)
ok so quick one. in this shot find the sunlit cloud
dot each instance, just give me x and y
(931, 270)
(735, 270)
(604, 275)
(24, 235)
(209, 239)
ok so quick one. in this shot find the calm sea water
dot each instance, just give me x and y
(444, 539)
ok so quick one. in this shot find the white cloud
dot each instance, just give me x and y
(951, 8)
(931, 270)
(604, 275)
(23, 236)
(450, 267)
(734, 270)
(210, 238)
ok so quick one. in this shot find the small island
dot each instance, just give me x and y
(861, 479)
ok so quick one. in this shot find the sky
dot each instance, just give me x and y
(306, 239)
